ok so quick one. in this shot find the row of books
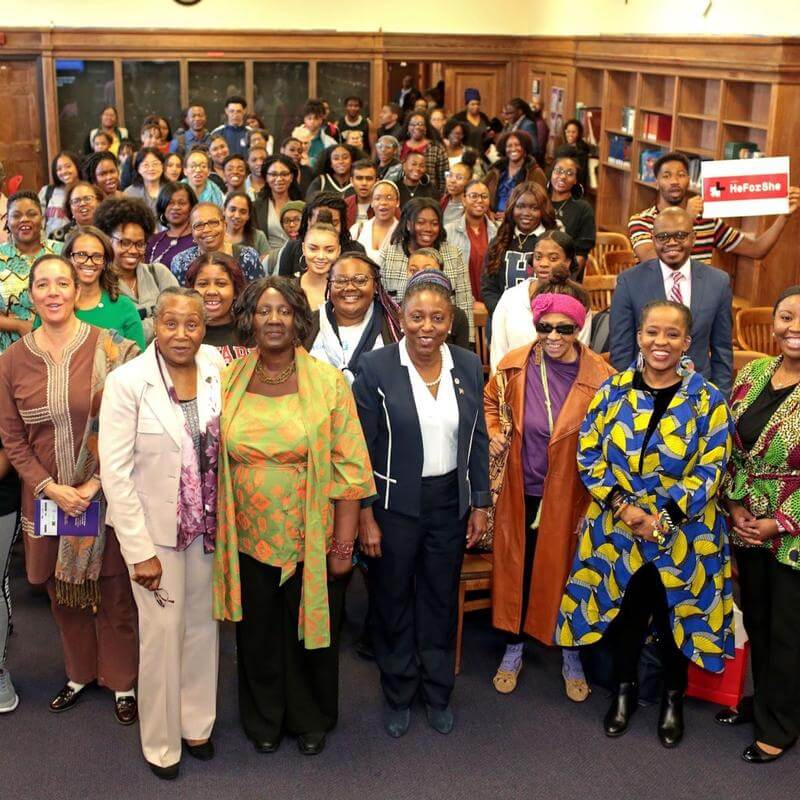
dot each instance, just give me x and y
(738, 150)
(619, 150)
(627, 119)
(656, 127)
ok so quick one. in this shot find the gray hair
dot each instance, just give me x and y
(389, 140)
(179, 291)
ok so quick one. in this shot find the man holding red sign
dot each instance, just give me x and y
(672, 180)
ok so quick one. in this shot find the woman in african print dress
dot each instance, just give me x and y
(763, 499)
(652, 453)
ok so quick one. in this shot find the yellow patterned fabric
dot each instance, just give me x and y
(337, 468)
(684, 462)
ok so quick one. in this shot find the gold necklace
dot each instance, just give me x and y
(282, 377)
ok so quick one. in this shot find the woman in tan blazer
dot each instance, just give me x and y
(159, 441)
(549, 384)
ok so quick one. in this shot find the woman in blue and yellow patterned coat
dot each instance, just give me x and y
(652, 453)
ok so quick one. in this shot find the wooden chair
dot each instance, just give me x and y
(742, 357)
(480, 316)
(608, 242)
(591, 267)
(753, 330)
(600, 288)
(618, 261)
(476, 576)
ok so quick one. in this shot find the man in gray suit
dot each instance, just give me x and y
(674, 275)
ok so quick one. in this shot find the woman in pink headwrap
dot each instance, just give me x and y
(535, 404)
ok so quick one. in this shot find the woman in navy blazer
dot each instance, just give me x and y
(421, 410)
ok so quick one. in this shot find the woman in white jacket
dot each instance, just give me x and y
(159, 440)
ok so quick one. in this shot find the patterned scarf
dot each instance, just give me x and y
(77, 574)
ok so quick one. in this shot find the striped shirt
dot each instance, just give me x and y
(709, 234)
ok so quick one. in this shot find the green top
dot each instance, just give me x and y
(120, 315)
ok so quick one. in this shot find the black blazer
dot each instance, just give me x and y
(712, 318)
(388, 414)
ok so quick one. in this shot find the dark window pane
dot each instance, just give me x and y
(210, 82)
(151, 87)
(339, 79)
(84, 88)
(280, 89)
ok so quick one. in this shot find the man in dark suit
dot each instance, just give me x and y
(674, 275)
(409, 94)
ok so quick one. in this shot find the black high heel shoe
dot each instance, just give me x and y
(623, 706)
(670, 719)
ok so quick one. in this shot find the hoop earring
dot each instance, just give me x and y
(580, 186)
(640, 361)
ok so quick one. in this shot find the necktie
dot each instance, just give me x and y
(675, 293)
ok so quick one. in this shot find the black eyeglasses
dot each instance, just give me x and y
(359, 281)
(664, 236)
(561, 330)
(162, 598)
(80, 257)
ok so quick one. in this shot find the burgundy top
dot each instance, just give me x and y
(478, 245)
(536, 429)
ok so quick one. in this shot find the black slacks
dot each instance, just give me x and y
(531, 536)
(283, 687)
(770, 596)
(645, 600)
(414, 596)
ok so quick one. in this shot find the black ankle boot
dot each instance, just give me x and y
(670, 720)
(622, 707)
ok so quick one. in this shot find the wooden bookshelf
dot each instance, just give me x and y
(749, 91)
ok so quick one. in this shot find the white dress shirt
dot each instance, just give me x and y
(438, 416)
(685, 284)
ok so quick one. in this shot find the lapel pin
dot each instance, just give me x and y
(457, 381)
(461, 391)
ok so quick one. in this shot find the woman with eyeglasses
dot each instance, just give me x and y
(544, 389)
(159, 447)
(173, 208)
(357, 317)
(82, 201)
(129, 223)
(197, 166)
(209, 233)
(575, 213)
(281, 175)
(148, 177)
(51, 385)
(473, 232)
(452, 202)
(99, 301)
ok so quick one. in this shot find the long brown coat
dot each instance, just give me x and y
(564, 497)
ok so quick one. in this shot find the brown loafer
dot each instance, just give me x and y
(126, 710)
(66, 698)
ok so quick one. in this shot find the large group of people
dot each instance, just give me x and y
(220, 391)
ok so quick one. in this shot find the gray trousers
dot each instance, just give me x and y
(8, 530)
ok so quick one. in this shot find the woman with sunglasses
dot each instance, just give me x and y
(99, 300)
(159, 445)
(129, 223)
(574, 212)
(545, 388)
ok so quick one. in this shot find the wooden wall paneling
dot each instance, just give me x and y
(312, 78)
(119, 97)
(183, 72)
(51, 130)
(489, 79)
(376, 91)
(248, 83)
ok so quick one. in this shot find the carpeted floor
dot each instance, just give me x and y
(532, 744)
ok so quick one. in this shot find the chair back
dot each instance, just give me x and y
(591, 267)
(617, 261)
(608, 242)
(753, 330)
(480, 315)
(600, 289)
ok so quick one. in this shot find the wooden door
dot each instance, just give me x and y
(395, 72)
(20, 124)
(488, 79)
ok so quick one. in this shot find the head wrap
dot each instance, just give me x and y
(471, 94)
(434, 276)
(550, 303)
(293, 205)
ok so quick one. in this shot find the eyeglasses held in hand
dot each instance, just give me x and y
(562, 330)
(162, 598)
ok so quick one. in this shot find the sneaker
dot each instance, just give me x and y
(9, 699)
